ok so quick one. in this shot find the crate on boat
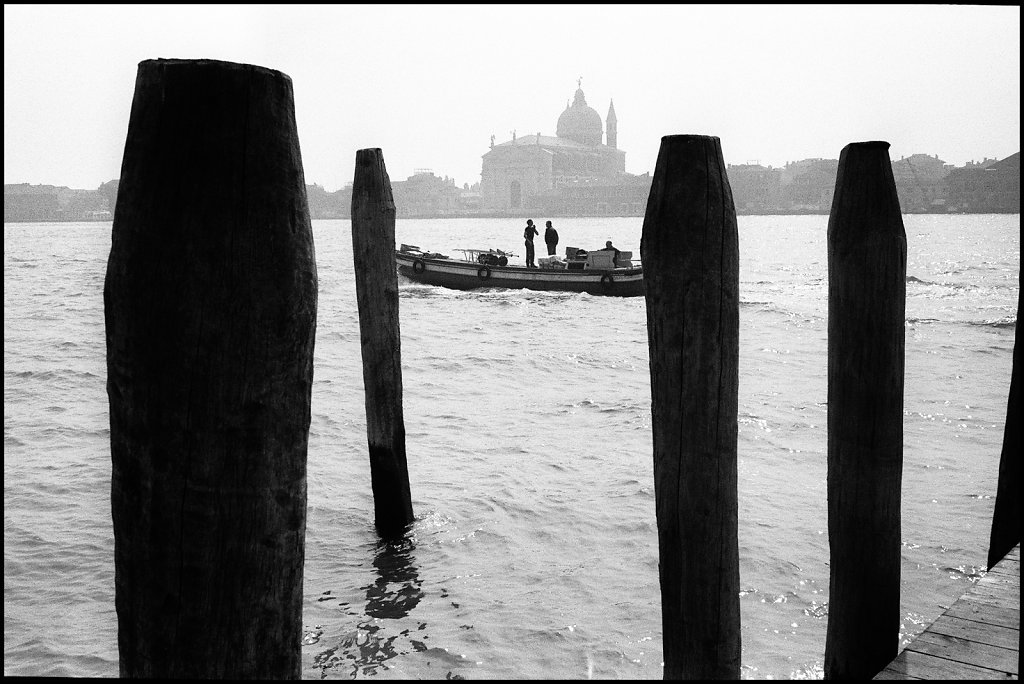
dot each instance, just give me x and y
(600, 259)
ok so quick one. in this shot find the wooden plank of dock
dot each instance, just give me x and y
(978, 637)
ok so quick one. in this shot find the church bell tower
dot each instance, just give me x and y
(611, 123)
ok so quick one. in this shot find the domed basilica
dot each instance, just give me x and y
(572, 172)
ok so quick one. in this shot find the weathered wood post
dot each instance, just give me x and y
(1006, 517)
(373, 254)
(210, 305)
(867, 267)
(690, 252)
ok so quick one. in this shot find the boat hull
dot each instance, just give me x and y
(466, 275)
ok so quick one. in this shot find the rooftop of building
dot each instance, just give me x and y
(548, 141)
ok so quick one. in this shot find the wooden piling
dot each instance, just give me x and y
(690, 251)
(1006, 517)
(210, 306)
(373, 255)
(867, 267)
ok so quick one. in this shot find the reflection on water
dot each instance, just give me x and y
(397, 589)
(391, 597)
(364, 650)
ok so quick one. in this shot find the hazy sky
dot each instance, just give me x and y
(430, 84)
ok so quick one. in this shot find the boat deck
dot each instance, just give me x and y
(978, 637)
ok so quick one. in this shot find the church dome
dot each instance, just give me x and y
(580, 122)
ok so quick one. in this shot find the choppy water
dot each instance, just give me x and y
(534, 553)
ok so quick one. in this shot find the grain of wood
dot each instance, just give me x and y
(867, 265)
(373, 254)
(690, 252)
(210, 307)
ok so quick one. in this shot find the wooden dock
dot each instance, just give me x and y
(978, 637)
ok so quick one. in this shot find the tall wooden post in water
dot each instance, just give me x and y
(210, 304)
(373, 254)
(690, 251)
(1006, 517)
(867, 268)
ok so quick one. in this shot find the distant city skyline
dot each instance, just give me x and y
(430, 84)
(976, 161)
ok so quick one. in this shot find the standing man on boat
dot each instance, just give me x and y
(530, 231)
(551, 238)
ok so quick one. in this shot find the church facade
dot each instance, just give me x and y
(578, 171)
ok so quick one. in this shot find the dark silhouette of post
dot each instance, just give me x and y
(690, 252)
(210, 304)
(373, 255)
(867, 268)
(1006, 517)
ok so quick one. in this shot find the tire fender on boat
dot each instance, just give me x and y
(483, 273)
(418, 266)
(607, 280)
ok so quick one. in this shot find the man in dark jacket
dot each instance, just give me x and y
(609, 247)
(528, 234)
(551, 238)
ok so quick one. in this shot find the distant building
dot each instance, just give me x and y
(924, 183)
(570, 173)
(469, 198)
(424, 194)
(984, 163)
(807, 186)
(328, 205)
(920, 183)
(24, 202)
(987, 187)
(755, 188)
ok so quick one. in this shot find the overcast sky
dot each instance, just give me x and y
(429, 84)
